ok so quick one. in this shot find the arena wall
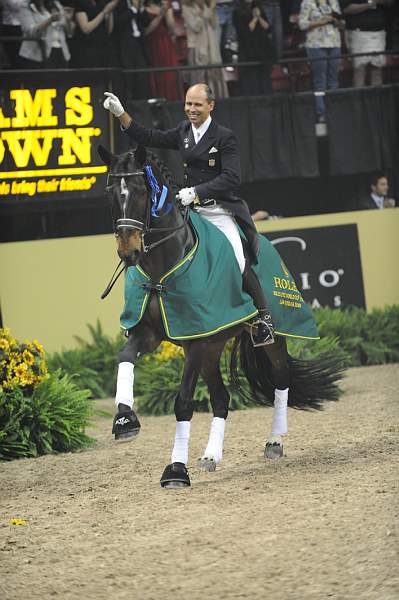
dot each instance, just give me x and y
(51, 288)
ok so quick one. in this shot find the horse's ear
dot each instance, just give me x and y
(140, 155)
(105, 155)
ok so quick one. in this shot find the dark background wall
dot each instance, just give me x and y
(286, 169)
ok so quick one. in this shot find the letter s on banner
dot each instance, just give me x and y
(78, 106)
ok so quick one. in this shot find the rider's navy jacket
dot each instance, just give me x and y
(212, 166)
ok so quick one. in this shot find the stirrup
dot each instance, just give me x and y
(261, 330)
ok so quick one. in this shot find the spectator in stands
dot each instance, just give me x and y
(161, 49)
(180, 32)
(366, 32)
(202, 44)
(377, 196)
(272, 10)
(10, 26)
(263, 215)
(321, 20)
(254, 44)
(91, 44)
(50, 23)
(226, 32)
(130, 21)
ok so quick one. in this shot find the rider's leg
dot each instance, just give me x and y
(265, 325)
(225, 222)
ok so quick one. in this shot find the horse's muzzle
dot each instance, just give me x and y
(129, 258)
(129, 246)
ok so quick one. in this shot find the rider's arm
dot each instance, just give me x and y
(152, 138)
(230, 172)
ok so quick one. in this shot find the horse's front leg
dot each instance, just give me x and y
(278, 356)
(141, 340)
(176, 474)
(220, 399)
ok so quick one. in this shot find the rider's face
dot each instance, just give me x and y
(197, 106)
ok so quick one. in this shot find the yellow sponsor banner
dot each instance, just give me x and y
(47, 137)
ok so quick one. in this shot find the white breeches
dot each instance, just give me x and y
(223, 220)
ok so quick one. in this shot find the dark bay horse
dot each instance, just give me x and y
(153, 233)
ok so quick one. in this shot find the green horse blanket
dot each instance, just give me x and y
(203, 294)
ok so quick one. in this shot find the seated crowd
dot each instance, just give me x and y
(133, 34)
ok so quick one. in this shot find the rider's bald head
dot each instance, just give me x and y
(199, 104)
(202, 88)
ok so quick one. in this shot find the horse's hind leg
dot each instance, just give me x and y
(126, 425)
(220, 398)
(176, 474)
(278, 356)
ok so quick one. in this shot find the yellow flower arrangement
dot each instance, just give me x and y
(167, 352)
(21, 364)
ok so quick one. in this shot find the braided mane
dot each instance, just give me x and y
(164, 171)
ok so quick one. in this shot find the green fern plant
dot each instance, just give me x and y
(358, 337)
(93, 364)
(52, 419)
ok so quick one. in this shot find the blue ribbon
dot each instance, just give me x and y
(158, 197)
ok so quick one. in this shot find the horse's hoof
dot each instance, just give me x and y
(128, 436)
(206, 463)
(273, 450)
(175, 476)
(174, 484)
(126, 426)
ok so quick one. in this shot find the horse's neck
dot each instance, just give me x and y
(168, 254)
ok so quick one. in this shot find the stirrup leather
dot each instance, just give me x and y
(260, 338)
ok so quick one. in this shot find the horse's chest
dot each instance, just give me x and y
(153, 312)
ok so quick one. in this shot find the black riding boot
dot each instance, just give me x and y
(263, 321)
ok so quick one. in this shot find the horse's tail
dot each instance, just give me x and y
(312, 381)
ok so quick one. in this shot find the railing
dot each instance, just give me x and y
(288, 73)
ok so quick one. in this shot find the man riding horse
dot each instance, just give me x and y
(211, 173)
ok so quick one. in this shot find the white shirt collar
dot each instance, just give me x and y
(379, 200)
(198, 132)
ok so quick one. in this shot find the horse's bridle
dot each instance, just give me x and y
(144, 227)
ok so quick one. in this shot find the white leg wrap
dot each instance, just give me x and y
(214, 448)
(280, 424)
(182, 438)
(124, 385)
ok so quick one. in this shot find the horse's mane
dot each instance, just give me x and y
(164, 171)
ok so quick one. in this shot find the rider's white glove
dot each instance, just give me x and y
(186, 196)
(113, 104)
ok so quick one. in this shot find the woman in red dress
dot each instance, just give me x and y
(161, 49)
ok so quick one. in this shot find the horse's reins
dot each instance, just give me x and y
(144, 228)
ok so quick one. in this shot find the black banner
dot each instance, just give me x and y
(50, 126)
(325, 263)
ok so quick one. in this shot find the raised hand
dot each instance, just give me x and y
(113, 104)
